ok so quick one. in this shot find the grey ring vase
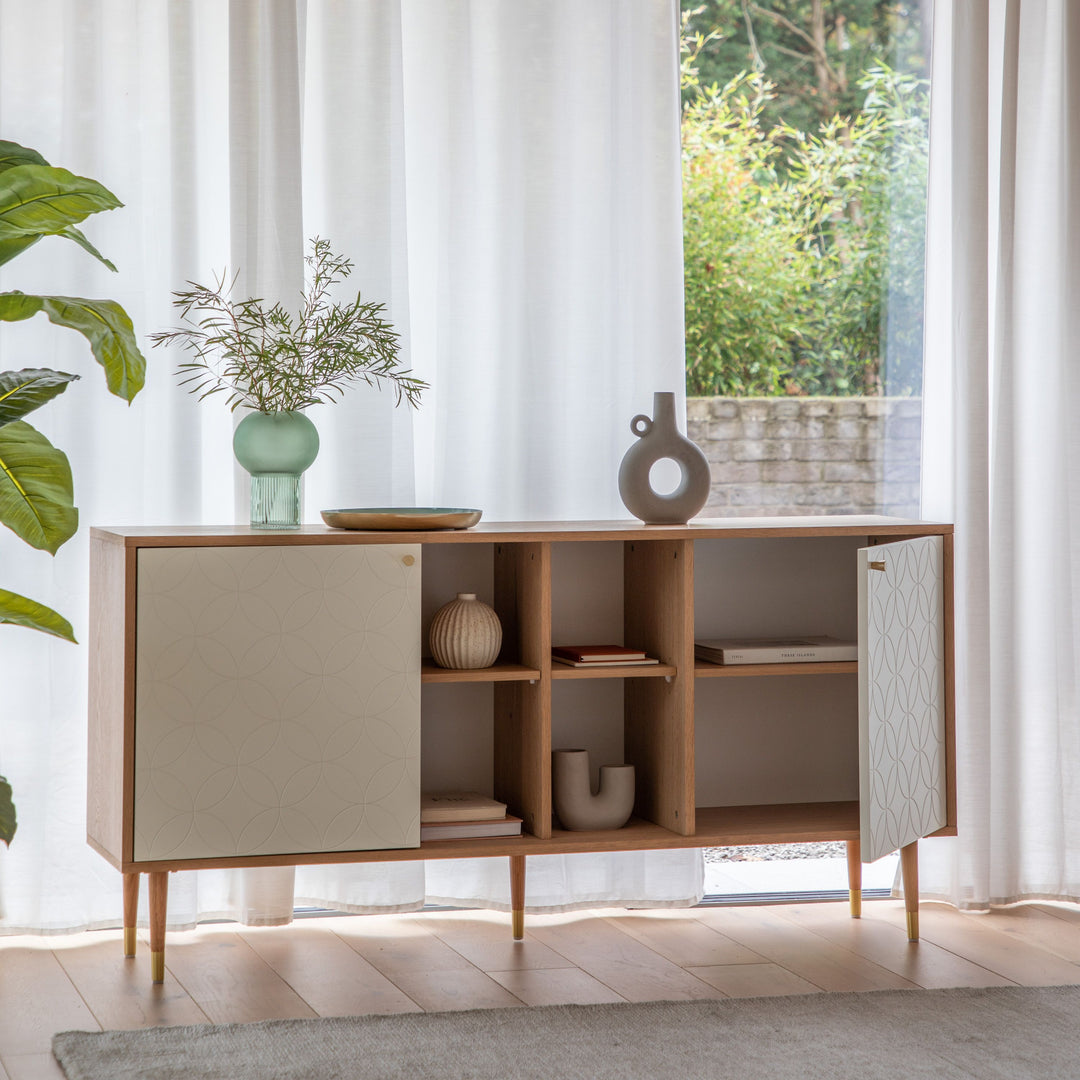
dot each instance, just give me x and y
(660, 438)
(576, 806)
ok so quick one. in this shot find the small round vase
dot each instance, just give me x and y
(571, 792)
(465, 633)
(659, 438)
(275, 448)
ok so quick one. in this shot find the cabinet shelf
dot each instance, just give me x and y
(782, 823)
(499, 672)
(717, 826)
(613, 671)
(704, 670)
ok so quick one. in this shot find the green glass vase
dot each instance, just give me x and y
(275, 448)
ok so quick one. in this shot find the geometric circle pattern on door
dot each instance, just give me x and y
(277, 704)
(901, 694)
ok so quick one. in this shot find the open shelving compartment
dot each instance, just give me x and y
(776, 745)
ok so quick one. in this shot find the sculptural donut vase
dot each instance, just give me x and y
(576, 806)
(659, 438)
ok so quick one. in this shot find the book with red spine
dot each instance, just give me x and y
(596, 654)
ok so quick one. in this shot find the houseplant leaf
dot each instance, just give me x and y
(22, 611)
(7, 813)
(15, 246)
(104, 323)
(12, 154)
(23, 391)
(36, 497)
(76, 235)
(38, 199)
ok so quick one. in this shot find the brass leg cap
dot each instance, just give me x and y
(518, 923)
(129, 940)
(157, 967)
(913, 925)
(855, 896)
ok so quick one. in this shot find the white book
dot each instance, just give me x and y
(803, 650)
(475, 830)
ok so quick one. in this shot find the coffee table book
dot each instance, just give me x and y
(804, 650)
(437, 807)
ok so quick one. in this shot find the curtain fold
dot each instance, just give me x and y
(505, 178)
(1001, 397)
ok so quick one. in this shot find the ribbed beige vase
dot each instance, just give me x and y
(465, 633)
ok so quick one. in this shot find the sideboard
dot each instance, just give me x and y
(261, 698)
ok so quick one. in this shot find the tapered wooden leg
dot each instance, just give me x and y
(909, 868)
(131, 911)
(159, 893)
(854, 878)
(517, 895)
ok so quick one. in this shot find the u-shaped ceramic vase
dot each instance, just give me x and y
(576, 806)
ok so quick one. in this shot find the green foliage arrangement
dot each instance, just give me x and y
(36, 490)
(269, 360)
(803, 253)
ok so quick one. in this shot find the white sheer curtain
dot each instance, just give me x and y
(505, 177)
(1002, 439)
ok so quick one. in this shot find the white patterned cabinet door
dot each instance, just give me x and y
(902, 760)
(277, 703)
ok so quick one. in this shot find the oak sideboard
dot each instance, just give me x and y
(261, 698)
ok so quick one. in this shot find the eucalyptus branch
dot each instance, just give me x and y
(261, 357)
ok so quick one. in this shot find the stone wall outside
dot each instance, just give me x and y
(812, 455)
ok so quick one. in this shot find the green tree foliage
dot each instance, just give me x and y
(813, 51)
(803, 252)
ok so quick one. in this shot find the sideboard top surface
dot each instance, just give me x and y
(521, 532)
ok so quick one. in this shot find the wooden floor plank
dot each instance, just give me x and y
(400, 945)
(487, 944)
(332, 978)
(556, 986)
(971, 936)
(227, 979)
(686, 942)
(754, 980)
(436, 991)
(886, 943)
(33, 1067)
(808, 955)
(118, 989)
(616, 959)
(1041, 925)
(37, 999)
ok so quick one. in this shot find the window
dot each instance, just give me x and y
(804, 185)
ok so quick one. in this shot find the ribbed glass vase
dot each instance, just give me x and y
(275, 448)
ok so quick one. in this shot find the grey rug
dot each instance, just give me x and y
(1000, 1033)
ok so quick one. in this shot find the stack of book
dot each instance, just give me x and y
(460, 815)
(806, 650)
(583, 656)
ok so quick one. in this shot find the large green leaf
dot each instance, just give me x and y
(36, 496)
(38, 199)
(104, 323)
(71, 233)
(15, 246)
(12, 154)
(21, 611)
(23, 391)
(7, 813)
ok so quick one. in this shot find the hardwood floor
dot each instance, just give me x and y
(465, 959)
